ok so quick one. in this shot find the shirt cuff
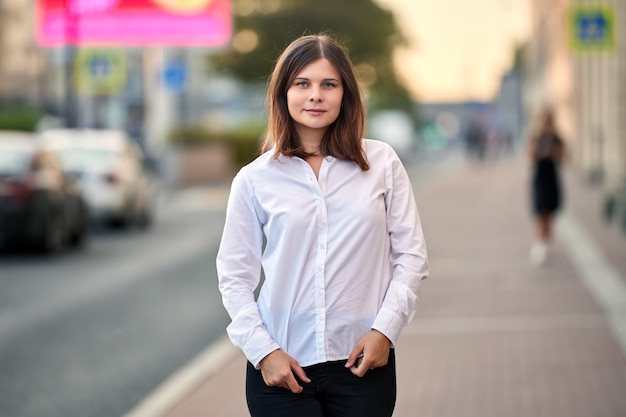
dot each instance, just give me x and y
(256, 356)
(389, 324)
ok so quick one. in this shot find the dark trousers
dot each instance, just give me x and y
(333, 392)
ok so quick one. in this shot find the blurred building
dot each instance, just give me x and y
(21, 61)
(585, 84)
(510, 113)
(548, 65)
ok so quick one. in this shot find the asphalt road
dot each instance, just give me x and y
(91, 333)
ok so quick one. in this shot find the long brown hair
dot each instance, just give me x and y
(343, 137)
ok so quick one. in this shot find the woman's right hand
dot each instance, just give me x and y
(278, 370)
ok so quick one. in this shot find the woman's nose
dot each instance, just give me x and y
(315, 95)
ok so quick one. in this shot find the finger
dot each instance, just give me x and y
(350, 362)
(301, 374)
(354, 356)
(293, 385)
(361, 366)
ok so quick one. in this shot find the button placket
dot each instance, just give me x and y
(317, 187)
(320, 279)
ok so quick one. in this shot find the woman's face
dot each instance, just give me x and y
(314, 98)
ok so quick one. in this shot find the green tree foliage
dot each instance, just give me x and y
(369, 32)
(18, 117)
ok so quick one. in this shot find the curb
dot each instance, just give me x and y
(172, 390)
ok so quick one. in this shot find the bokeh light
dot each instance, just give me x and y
(367, 74)
(448, 124)
(434, 138)
(245, 41)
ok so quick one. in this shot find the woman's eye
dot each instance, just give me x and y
(301, 83)
(330, 85)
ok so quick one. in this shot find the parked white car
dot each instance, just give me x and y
(111, 168)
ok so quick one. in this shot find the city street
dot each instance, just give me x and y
(133, 325)
(90, 333)
(136, 114)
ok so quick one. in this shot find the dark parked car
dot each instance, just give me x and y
(41, 206)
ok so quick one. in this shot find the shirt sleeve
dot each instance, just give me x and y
(239, 272)
(408, 255)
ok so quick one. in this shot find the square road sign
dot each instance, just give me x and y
(592, 28)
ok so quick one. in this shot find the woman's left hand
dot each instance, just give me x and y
(372, 351)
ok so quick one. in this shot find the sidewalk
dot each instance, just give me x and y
(493, 335)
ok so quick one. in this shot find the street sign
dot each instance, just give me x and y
(592, 28)
(100, 71)
(175, 76)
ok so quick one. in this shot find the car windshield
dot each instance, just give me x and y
(14, 160)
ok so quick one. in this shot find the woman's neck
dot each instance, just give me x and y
(311, 142)
(311, 147)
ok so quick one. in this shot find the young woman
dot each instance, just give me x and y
(547, 150)
(330, 220)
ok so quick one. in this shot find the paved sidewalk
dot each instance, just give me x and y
(493, 335)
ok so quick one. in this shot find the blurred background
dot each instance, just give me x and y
(175, 75)
(123, 121)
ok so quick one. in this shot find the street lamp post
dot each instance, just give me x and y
(71, 32)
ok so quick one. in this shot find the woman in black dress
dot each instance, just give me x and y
(546, 150)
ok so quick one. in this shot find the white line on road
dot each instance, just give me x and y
(599, 277)
(185, 380)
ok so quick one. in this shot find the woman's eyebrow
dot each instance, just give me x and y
(324, 79)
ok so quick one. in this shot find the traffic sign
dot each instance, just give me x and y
(100, 71)
(592, 28)
(175, 76)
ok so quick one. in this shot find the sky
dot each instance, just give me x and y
(458, 49)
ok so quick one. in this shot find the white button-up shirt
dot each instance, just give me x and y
(341, 254)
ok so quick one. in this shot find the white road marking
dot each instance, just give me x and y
(600, 278)
(185, 380)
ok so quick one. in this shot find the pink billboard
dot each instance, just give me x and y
(201, 23)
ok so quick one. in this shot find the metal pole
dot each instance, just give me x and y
(2, 51)
(71, 30)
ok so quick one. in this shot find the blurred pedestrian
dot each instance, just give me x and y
(476, 139)
(330, 220)
(547, 151)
